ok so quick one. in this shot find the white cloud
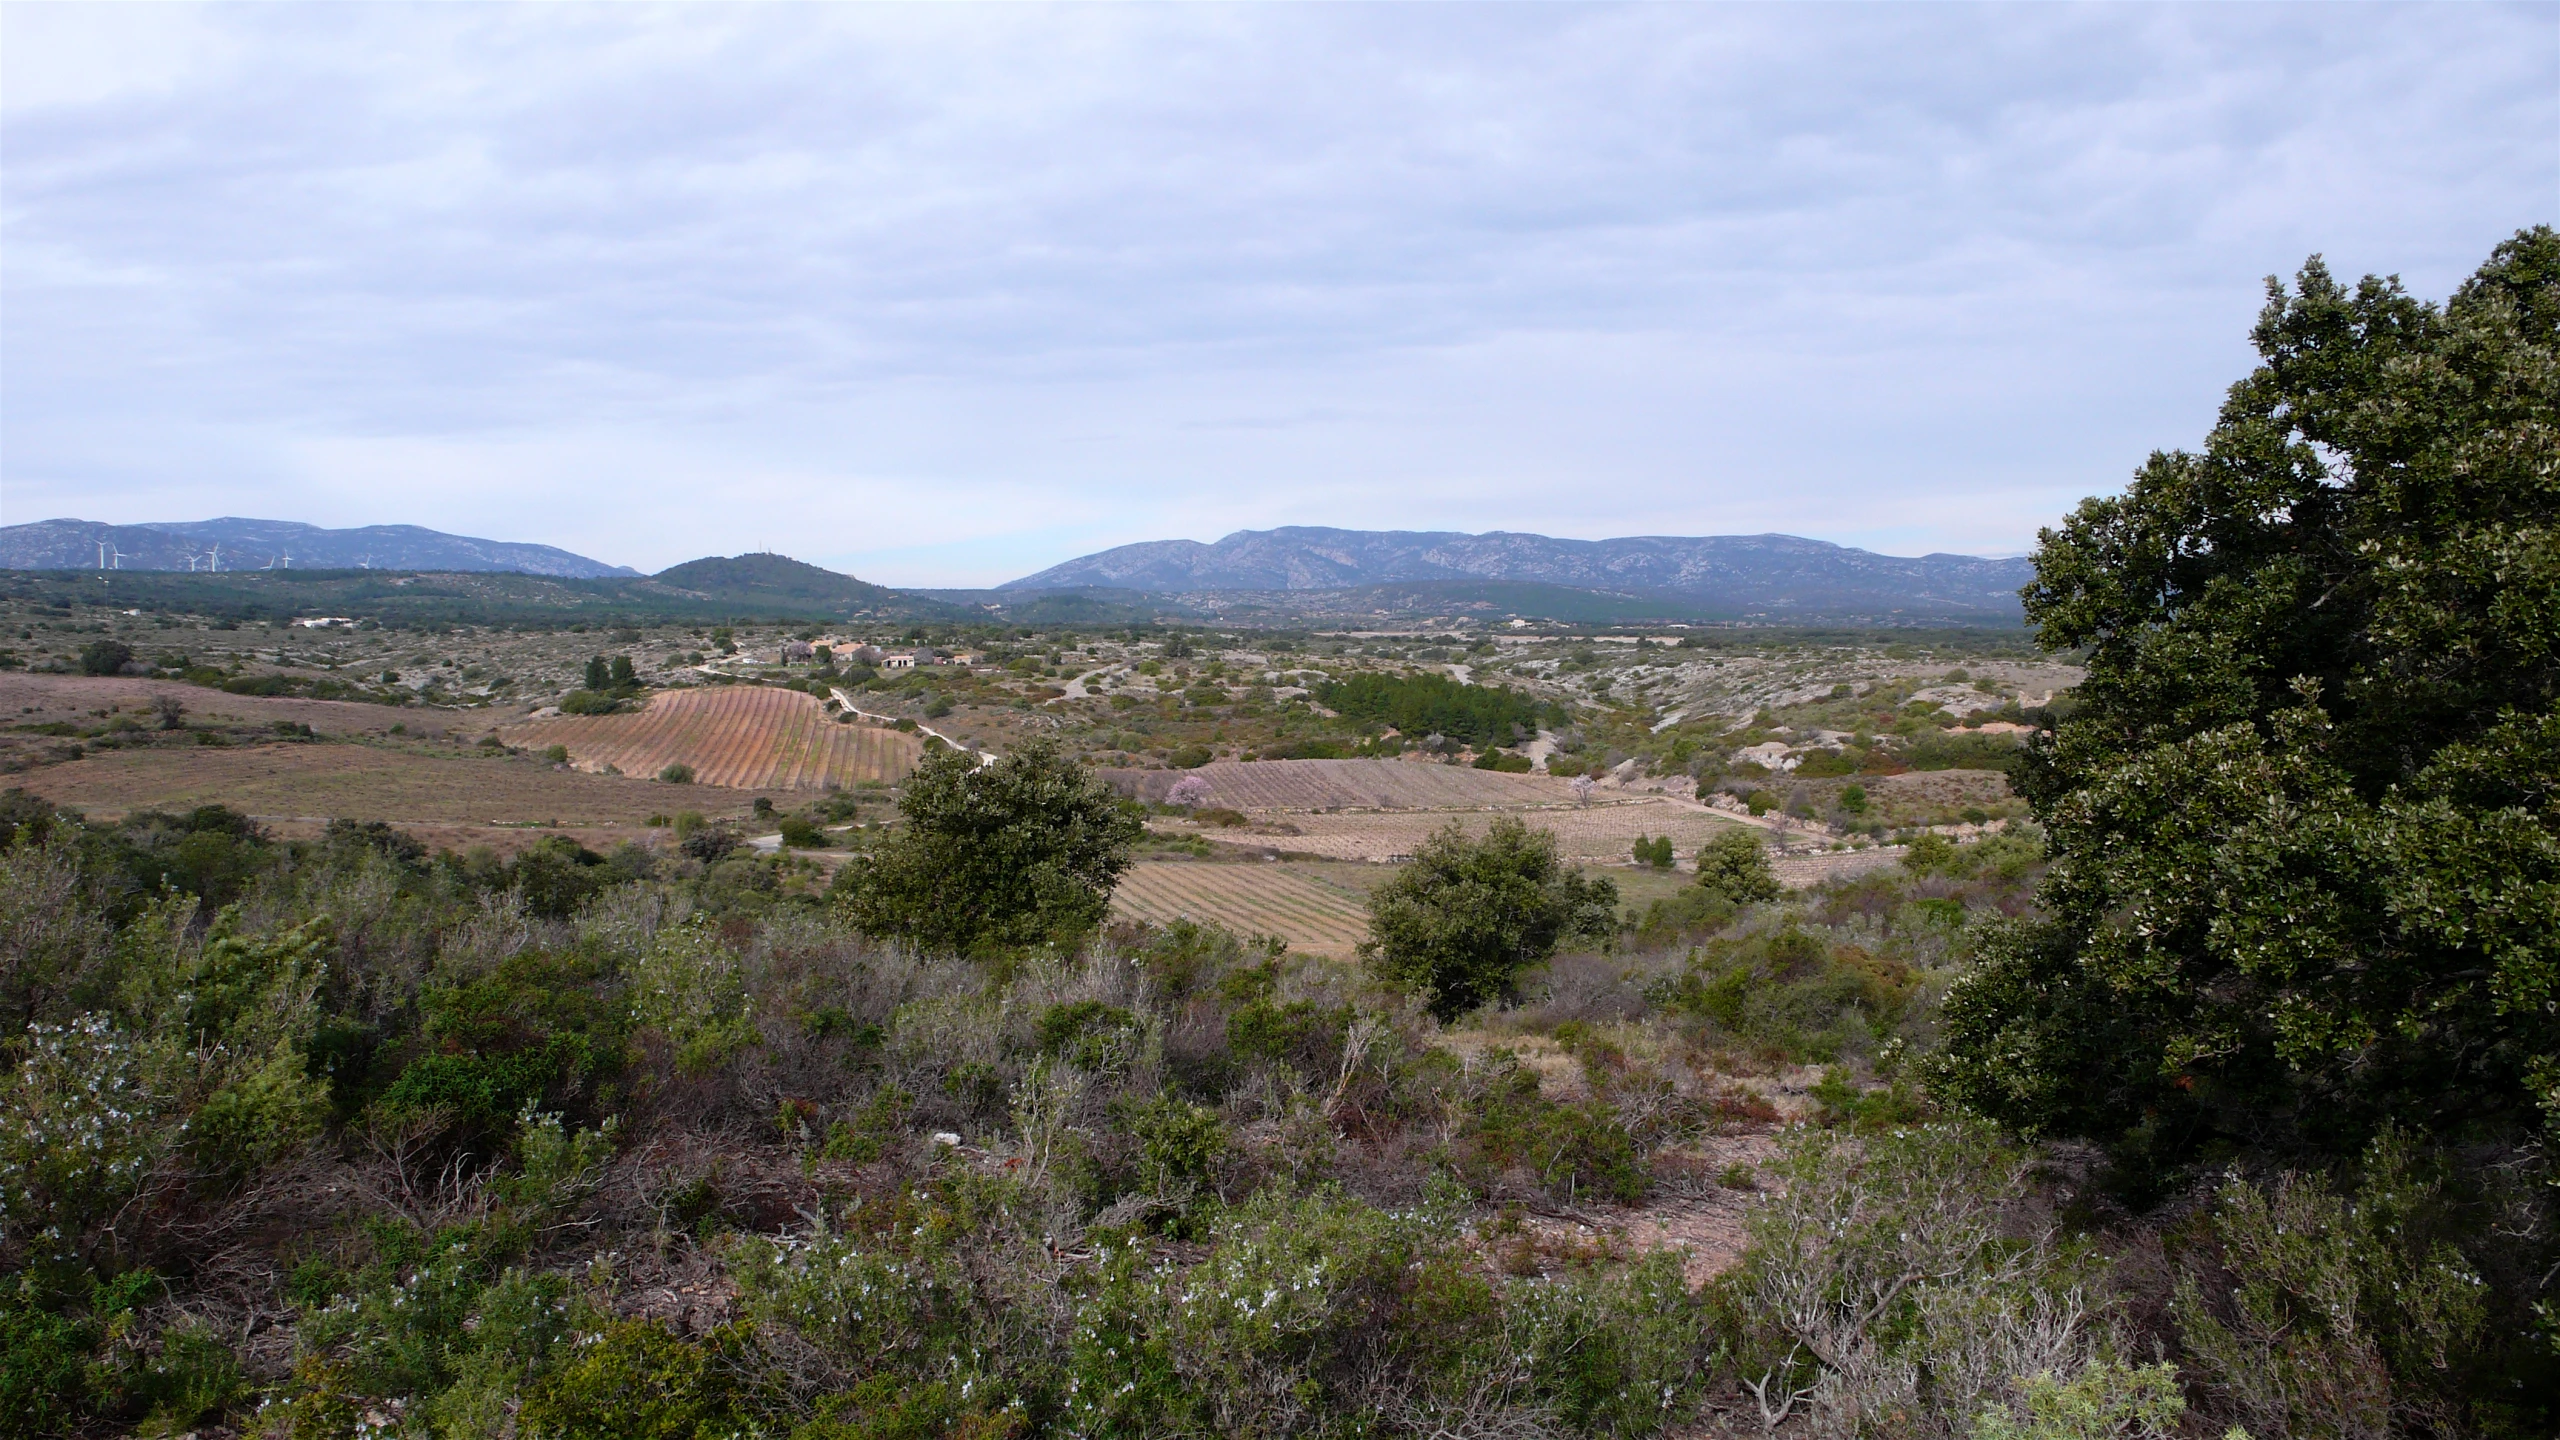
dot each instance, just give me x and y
(986, 280)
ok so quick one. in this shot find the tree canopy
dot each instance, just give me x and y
(1022, 852)
(1433, 704)
(1460, 923)
(2306, 862)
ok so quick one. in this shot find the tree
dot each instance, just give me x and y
(622, 675)
(599, 674)
(1459, 925)
(2305, 821)
(104, 657)
(1020, 853)
(1736, 865)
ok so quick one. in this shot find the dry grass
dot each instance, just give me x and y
(734, 736)
(317, 782)
(33, 699)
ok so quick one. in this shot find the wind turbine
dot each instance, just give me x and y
(214, 557)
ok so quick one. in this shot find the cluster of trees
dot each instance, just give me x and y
(1421, 705)
(604, 688)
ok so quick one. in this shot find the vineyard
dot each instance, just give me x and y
(1313, 917)
(1349, 784)
(361, 782)
(1603, 833)
(741, 736)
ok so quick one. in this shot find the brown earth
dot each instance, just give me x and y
(27, 699)
(447, 800)
(1292, 785)
(732, 736)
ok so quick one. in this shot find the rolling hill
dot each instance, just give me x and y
(1732, 574)
(232, 543)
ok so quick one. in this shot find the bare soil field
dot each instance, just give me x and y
(1293, 902)
(312, 783)
(1349, 784)
(1598, 833)
(37, 699)
(734, 736)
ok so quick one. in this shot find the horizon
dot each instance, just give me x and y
(899, 289)
(180, 526)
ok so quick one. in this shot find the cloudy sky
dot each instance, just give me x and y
(944, 295)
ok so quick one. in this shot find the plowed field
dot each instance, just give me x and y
(1350, 784)
(742, 736)
(1314, 917)
(360, 782)
(1603, 832)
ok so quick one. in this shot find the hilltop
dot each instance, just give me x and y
(234, 543)
(1739, 574)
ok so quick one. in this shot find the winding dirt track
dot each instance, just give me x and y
(738, 736)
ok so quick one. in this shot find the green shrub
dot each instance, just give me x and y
(1735, 865)
(803, 834)
(1088, 1034)
(639, 1380)
(1613, 1352)
(104, 657)
(1458, 925)
(1179, 1145)
(1568, 1149)
(676, 773)
(2106, 1401)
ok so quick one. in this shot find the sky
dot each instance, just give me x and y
(947, 294)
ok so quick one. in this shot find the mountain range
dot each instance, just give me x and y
(1293, 575)
(1741, 573)
(234, 543)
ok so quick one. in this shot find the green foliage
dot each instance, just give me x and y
(676, 773)
(1019, 853)
(2305, 852)
(104, 657)
(1656, 852)
(1505, 762)
(1888, 1268)
(1567, 1149)
(1458, 925)
(1789, 995)
(2309, 1313)
(1179, 1145)
(1088, 1034)
(2106, 1401)
(1432, 705)
(639, 1380)
(1736, 866)
(589, 702)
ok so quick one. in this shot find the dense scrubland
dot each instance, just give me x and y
(2221, 1096)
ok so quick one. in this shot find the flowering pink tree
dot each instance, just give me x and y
(1189, 791)
(1583, 785)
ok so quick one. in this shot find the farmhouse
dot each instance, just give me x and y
(909, 659)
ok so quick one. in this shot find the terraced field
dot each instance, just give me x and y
(1314, 917)
(740, 736)
(1350, 784)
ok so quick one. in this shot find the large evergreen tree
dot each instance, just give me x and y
(1022, 852)
(2306, 856)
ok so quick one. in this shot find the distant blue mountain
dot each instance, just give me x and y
(234, 543)
(1752, 572)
